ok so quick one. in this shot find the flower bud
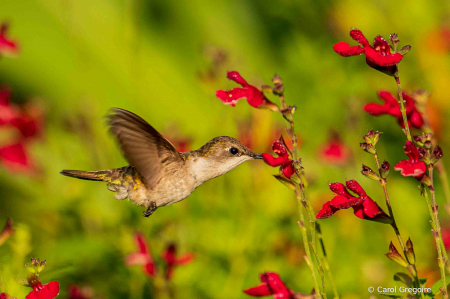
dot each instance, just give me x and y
(437, 152)
(395, 256)
(276, 80)
(369, 173)
(368, 148)
(278, 89)
(422, 139)
(384, 169)
(405, 50)
(266, 89)
(410, 252)
(372, 137)
(285, 181)
(425, 180)
(394, 38)
(288, 113)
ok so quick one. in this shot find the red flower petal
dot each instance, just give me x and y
(412, 151)
(276, 285)
(340, 189)
(342, 202)
(379, 59)
(233, 96)
(327, 211)
(409, 168)
(184, 259)
(376, 109)
(355, 187)
(274, 162)
(288, 170)
(236, 77)
(14, 157)
(47, 291)
(142, 257)
(258, 291)
(416, 119)
(358, 36)
(345, 50)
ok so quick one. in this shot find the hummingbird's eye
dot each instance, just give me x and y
(234, 151)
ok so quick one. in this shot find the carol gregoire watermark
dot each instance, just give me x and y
(396, 290)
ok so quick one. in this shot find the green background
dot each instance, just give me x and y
(79, 58)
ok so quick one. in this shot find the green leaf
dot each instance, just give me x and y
(285, 181)
(438, 284)
(403, 278)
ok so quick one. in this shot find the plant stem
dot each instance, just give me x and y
(437, 238)
(401, 102)
(412, 266)
(444, 180)
(435, 211)
(325, 263)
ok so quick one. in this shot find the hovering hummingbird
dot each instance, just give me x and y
(158, 175)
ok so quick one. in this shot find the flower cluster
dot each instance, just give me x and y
(391, 107)
(254, 96)
(21, 125)
(283, 160)
(143, 257)
(378, 56)
(363, 206)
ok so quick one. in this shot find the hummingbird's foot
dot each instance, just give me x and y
(150, 209)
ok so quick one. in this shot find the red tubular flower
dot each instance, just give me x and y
(254, 96)
(283, 160)
(7, 46)
(363, 206)
(378, 56)
(142, 257)
(46, 291)
(23, 126)
(171, 260)
(334, 151)
(391, 107)
(271, 285)
(412, 167)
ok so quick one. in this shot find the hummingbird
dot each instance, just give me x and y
(159, 175)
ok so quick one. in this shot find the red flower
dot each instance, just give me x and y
(363, 206)
(271, 285)
(412, 167)
(142, 257)
(283, 160)
(46, 291)
(334, 151)
(378, 56)
(170, 259)
(7, 46)
(254, 96)
(22, 126)
(391, 107)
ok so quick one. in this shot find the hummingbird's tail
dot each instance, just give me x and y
(99, 175)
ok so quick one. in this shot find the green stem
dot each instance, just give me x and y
(411, 266)
(438, 240)
(401, 102)
(444, 180)
(325, 263)
(435, 210)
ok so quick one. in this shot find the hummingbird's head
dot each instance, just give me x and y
(224, 148)
(220, 155)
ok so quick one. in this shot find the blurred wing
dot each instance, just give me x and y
(142, 145)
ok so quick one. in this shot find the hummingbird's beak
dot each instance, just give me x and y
(257, 156)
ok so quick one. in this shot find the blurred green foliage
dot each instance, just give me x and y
(159, 59)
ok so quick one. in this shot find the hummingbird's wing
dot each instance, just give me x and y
(142, 145)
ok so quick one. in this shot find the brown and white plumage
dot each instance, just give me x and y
(158, 174)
